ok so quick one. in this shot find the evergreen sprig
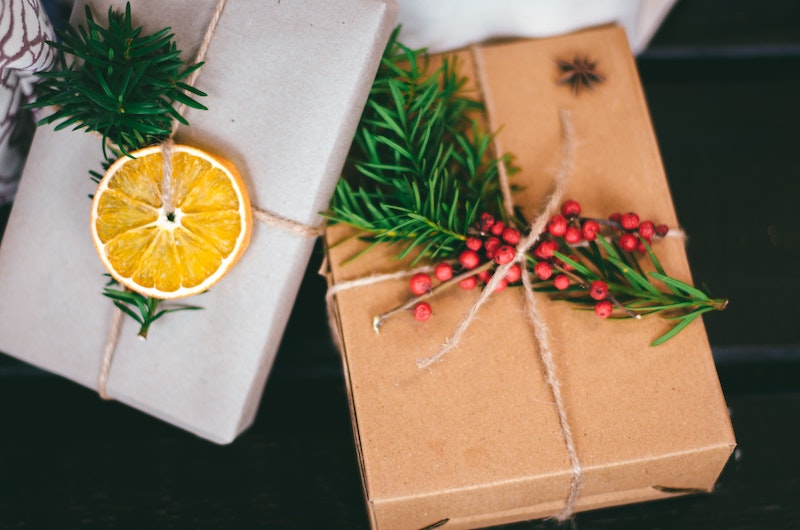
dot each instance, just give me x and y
(122, 84)
(422, 166)
(633, 291)
(421, 175)
(143, 309)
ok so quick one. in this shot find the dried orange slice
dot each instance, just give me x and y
(177, 253)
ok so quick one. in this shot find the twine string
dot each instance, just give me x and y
(200, 56)
(287, 225)
(108, 353)
(166, 179)
(491, 127)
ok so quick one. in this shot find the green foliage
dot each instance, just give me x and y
(122, 84)
(143, 309)
(634, 292)
(421, 168)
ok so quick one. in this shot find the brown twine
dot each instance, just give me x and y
(287, 225)
(167, 146)
(491, 127)
(108, 353)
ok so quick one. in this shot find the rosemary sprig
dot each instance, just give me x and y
(422, 167)
(120, 83)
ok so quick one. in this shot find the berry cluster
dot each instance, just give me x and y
(567, 230)
(490, 243)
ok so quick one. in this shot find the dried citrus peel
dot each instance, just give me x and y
(176, 253)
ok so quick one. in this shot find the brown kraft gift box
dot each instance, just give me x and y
(475, 439)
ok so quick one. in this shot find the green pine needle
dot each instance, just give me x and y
(422, 168)
(121, 84)
(143, 309)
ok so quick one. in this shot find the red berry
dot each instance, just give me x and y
(628, 242)
(557, 225)
(504, 254)
(514, 273)
(543, 270)
(474, 243)
(561, 282)
(420, 283)
(545, 249)
(486, 221)
(629, 221)
(640, 245)
(485, 276)
(662, 230)
(422, 311)
(598, 290)
(497, 228)
(571, 208)
(443, 272)
(647, 229)
(590, 229)
(501, 285)
(615, 217)
(511, 235)
(468, 283)
(469, 259)
(603, 309)
(490, 245)
(573, 235)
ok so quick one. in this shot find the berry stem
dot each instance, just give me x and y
(378, 320)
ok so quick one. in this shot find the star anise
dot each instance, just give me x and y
(579, 73)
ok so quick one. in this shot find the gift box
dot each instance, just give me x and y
(286, 83)
(476, 438)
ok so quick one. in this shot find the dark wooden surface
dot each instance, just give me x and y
(722, 80)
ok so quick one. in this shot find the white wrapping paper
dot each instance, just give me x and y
(286, 83)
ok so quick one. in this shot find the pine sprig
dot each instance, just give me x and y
(121, 83)
(422, 177)
(422, 165)
(143, 309)
(634, 292)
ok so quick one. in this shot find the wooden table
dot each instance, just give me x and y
(723, 83)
